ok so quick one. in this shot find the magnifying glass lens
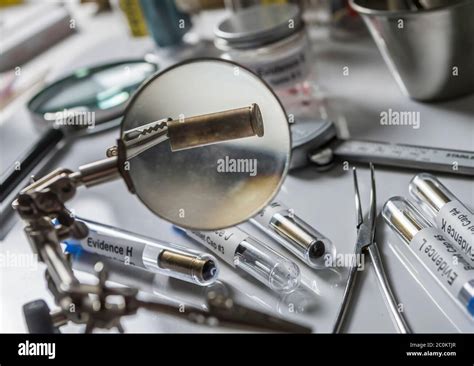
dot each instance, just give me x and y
(103, 89)
(220, 184)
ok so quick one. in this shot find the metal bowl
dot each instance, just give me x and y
(430, 52)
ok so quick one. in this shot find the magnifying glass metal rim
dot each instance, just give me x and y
(126, 175)
(102, 116)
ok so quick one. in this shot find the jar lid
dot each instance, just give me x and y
(259, 25)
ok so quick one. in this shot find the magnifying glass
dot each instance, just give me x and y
(220, 184)
(88, 101)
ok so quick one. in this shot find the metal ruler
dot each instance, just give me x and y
(317, 142)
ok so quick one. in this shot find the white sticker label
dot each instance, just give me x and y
(287, 70)
(442, 259)
(457, 223)
(122, 250)
(223, 243)
(265, 216)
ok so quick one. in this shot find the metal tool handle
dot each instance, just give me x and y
(47, 142)
(387, 292)
(346, 299)
(33, 162)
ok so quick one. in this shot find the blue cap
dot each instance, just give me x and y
(73, 247)
(470, 306)
(178, 230)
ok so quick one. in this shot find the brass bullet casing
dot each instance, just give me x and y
(215, 127)
(404, 218)
(434, 196)
(406, 225)
(289, 229)
(203, 268)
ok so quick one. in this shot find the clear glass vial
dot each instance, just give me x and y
(148, 254)
(450, 215)
(250, 255)
(301, 239)
(433, 250)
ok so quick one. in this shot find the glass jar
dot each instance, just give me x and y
(272, 41)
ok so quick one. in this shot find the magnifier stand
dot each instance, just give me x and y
(44, 201)
(42, 206)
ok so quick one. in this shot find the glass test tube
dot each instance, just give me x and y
(148, 254)
(165, 287)
(245, 252)
(301, 239)
(450, 215)
(433, 250)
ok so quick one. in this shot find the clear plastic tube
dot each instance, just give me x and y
(454, 219)
(301, 239)
(177, 292)
(437, 254)
(146, 253)
(245, 252)
(166, 288)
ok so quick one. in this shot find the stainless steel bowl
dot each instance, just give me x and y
(430, 52)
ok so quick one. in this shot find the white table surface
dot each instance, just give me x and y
(324, 200)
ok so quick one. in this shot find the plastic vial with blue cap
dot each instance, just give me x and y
(448, 212)
(244, 252)
(146, 253)
(432, 249)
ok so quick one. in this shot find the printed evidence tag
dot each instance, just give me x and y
(442, 259)
(120, 249)
(223, 243)
(457, 222)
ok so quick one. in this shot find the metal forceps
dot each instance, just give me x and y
(365, 242)
(223, 311)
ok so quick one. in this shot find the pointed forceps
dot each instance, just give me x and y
(366, 241)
